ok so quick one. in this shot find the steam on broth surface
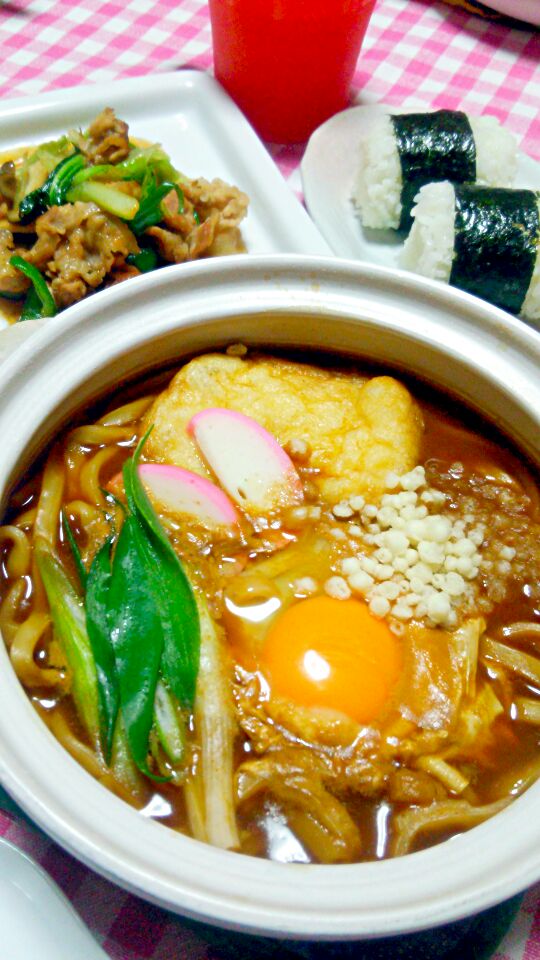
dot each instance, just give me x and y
(302, 623)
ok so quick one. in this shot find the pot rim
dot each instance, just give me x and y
(444, 883)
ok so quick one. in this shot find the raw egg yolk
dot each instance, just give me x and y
(324, 652)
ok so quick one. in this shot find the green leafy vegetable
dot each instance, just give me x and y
(109, 198)
(150, 211)
(34, 171)
(32, 206)
(54, 190)
(7, 295)
(98, 626)
(67, 612)
(39, 300)
(139, 163)
(145, 261)
(61, 178)
(31, 309)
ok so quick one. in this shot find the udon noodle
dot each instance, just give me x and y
(365, 650)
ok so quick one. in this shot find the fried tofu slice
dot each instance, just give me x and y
(357, 429)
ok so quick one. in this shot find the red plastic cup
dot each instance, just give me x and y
(288, 64)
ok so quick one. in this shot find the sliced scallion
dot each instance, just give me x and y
(67, 612)
(137, 636)
(169, 725)
(75, 552)
(173, 592)
(98, 626)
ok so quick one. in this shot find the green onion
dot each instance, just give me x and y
(67, 612)
(214, 719)
(150, 615)
(173, 592)
(99, 633)
(108, 198)
(122, 765)
(145, 261)
(169, 725)
(133, 645)
(76, 553)
(39, 300)
(137, 635)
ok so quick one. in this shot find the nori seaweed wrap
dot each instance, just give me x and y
(484, 240)
(432, 147)
(401, 153)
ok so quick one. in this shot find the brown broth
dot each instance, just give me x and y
(512, 754)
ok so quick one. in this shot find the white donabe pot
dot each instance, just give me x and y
(451, 339)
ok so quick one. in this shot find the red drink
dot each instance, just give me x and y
(288, 64)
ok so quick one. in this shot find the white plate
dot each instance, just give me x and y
(37, 919)
(329, 169)
(527, 10)
(200, 128)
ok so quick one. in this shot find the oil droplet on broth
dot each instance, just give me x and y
(250, 605)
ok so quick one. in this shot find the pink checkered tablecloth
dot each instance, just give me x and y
(440, 55)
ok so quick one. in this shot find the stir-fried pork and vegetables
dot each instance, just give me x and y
(92, 209)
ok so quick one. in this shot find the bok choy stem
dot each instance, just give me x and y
(107, 197)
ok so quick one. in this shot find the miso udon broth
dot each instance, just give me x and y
(325, 650)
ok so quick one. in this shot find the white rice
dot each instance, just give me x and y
(429, 248)
(496, 152)
(377, 190)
